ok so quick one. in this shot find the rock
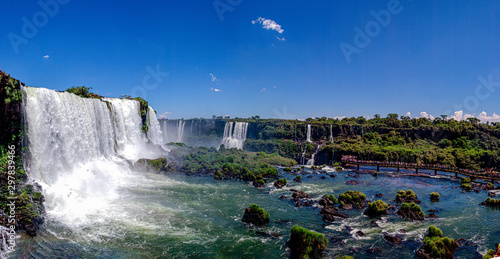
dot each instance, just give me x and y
(393, 239)
(298, 179)
(378, 195)
(373, 250)
(323, 177)
(332, 175)
(411, 211)
(476, 190)
(328, 218)
(255, 215)
(347, 207)
(258, 184)
(432, 210)
(431, 215)
(300, 195)
(491, 194)
(276, 235)
(407, 196)
(337, 241)
(282, 197)
(355, 250)
(352, 182)
(376, 208)
(309, 176)
(332, 211)
(374, 224)
(360, 233)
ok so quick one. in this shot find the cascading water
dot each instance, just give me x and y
(236, 138)
(331, 133)
(308, 139)
(311, 161)
(180, 130)
(80, 151)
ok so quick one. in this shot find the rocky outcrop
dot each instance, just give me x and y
(305, 243)
(411, 211)
(255, 215)
(376, 208)
(407, 196)
(329, 213)
(301, 199)
(354, 198)
(437, 246)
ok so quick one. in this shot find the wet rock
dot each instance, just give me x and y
(432, 210)
(337, 241)
(476, 190)
(347, 207)
(393, 239)
(282, 221)
(259, 184)
(332, 175)
(309, 176)
(328, 218)
(300, 195)
(352, 182)
(282, 197)
(255, 215)
(360, 233)
(355, 250)
(332, 211)
(374, 224)
(431, 215)
(378, 195)
(491, 194)
(323, 177)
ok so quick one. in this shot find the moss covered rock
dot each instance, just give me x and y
(434, 196)
(411, 211)
(491, 202)
(376, 208)
(437, 246)
(255, 215)
(355, 198)
(280, 183)
(407, 196)
(305, 243)
(328, 200)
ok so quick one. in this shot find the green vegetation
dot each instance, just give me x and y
(280, 183)
(353, 197)
(491, 202)
(489, 255)
(434, 196)
(257, 209)
(287, 169)
(411, 211)
(159, 164)
(305, 243)
(347, 257)
(376, 208)
(466, 187)
(406, 196)
(81, 91)
(465, 180)
(229, 163)
(438, 246)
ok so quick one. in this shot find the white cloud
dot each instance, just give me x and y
(46, 57)
(215, 89)
(426, 115)
(339, 117)
(483, 116)
(281, 39)
(214, 79)
(164, 115)
(263, 89)
(408, 114)
(268, 24)
(274, 86)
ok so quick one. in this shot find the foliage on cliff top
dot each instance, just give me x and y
(230, 163)
(81, 91)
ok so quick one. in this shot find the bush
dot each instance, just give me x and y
(489, 255)
(376, 208)
(466, 187)
(81, 91)
(434, 231)
(257, 209)
(304, 242)
(353, 197)
(332, 198)
(434, 196)
(287, 169)
(438, 246)
(465, 179)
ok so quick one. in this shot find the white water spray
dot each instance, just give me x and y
(308, 139)
(235, 138)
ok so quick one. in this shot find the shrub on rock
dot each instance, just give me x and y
(411, 211)
(434, 196)
(305, 243)
(328, 200)
(255, 215)
(407, 196)
(280, 183)
(466, 187)
(376, 208)
(437, 246)
(491, 202)
(355, 198)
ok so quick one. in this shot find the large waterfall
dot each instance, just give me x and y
(308, 138)
(235, 134)
(80, 150)
(180, 130)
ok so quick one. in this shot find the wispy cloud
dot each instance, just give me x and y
(263, 89)
(215, 89)
(213, 78)
(268, 24)
(46, 57)
(164, 115)
(281, 39)
(274, 86)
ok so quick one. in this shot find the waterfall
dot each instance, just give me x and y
(331, 132)
(311, 161)
(180, 130)
(235, 138)
(309, 133)
(80, 149)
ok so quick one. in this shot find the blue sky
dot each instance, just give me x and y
(431, 56)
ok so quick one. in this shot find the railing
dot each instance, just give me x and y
(482, 174)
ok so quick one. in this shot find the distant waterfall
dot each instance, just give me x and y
(180, 130)
(311, 161)
(80, 149)
(309, 133)
(235, 138)
(331, 132)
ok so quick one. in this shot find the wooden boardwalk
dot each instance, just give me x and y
(483, 174)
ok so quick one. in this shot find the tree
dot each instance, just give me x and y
(377, 116)
(473, 120)
(392, 116)
(81, 91)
